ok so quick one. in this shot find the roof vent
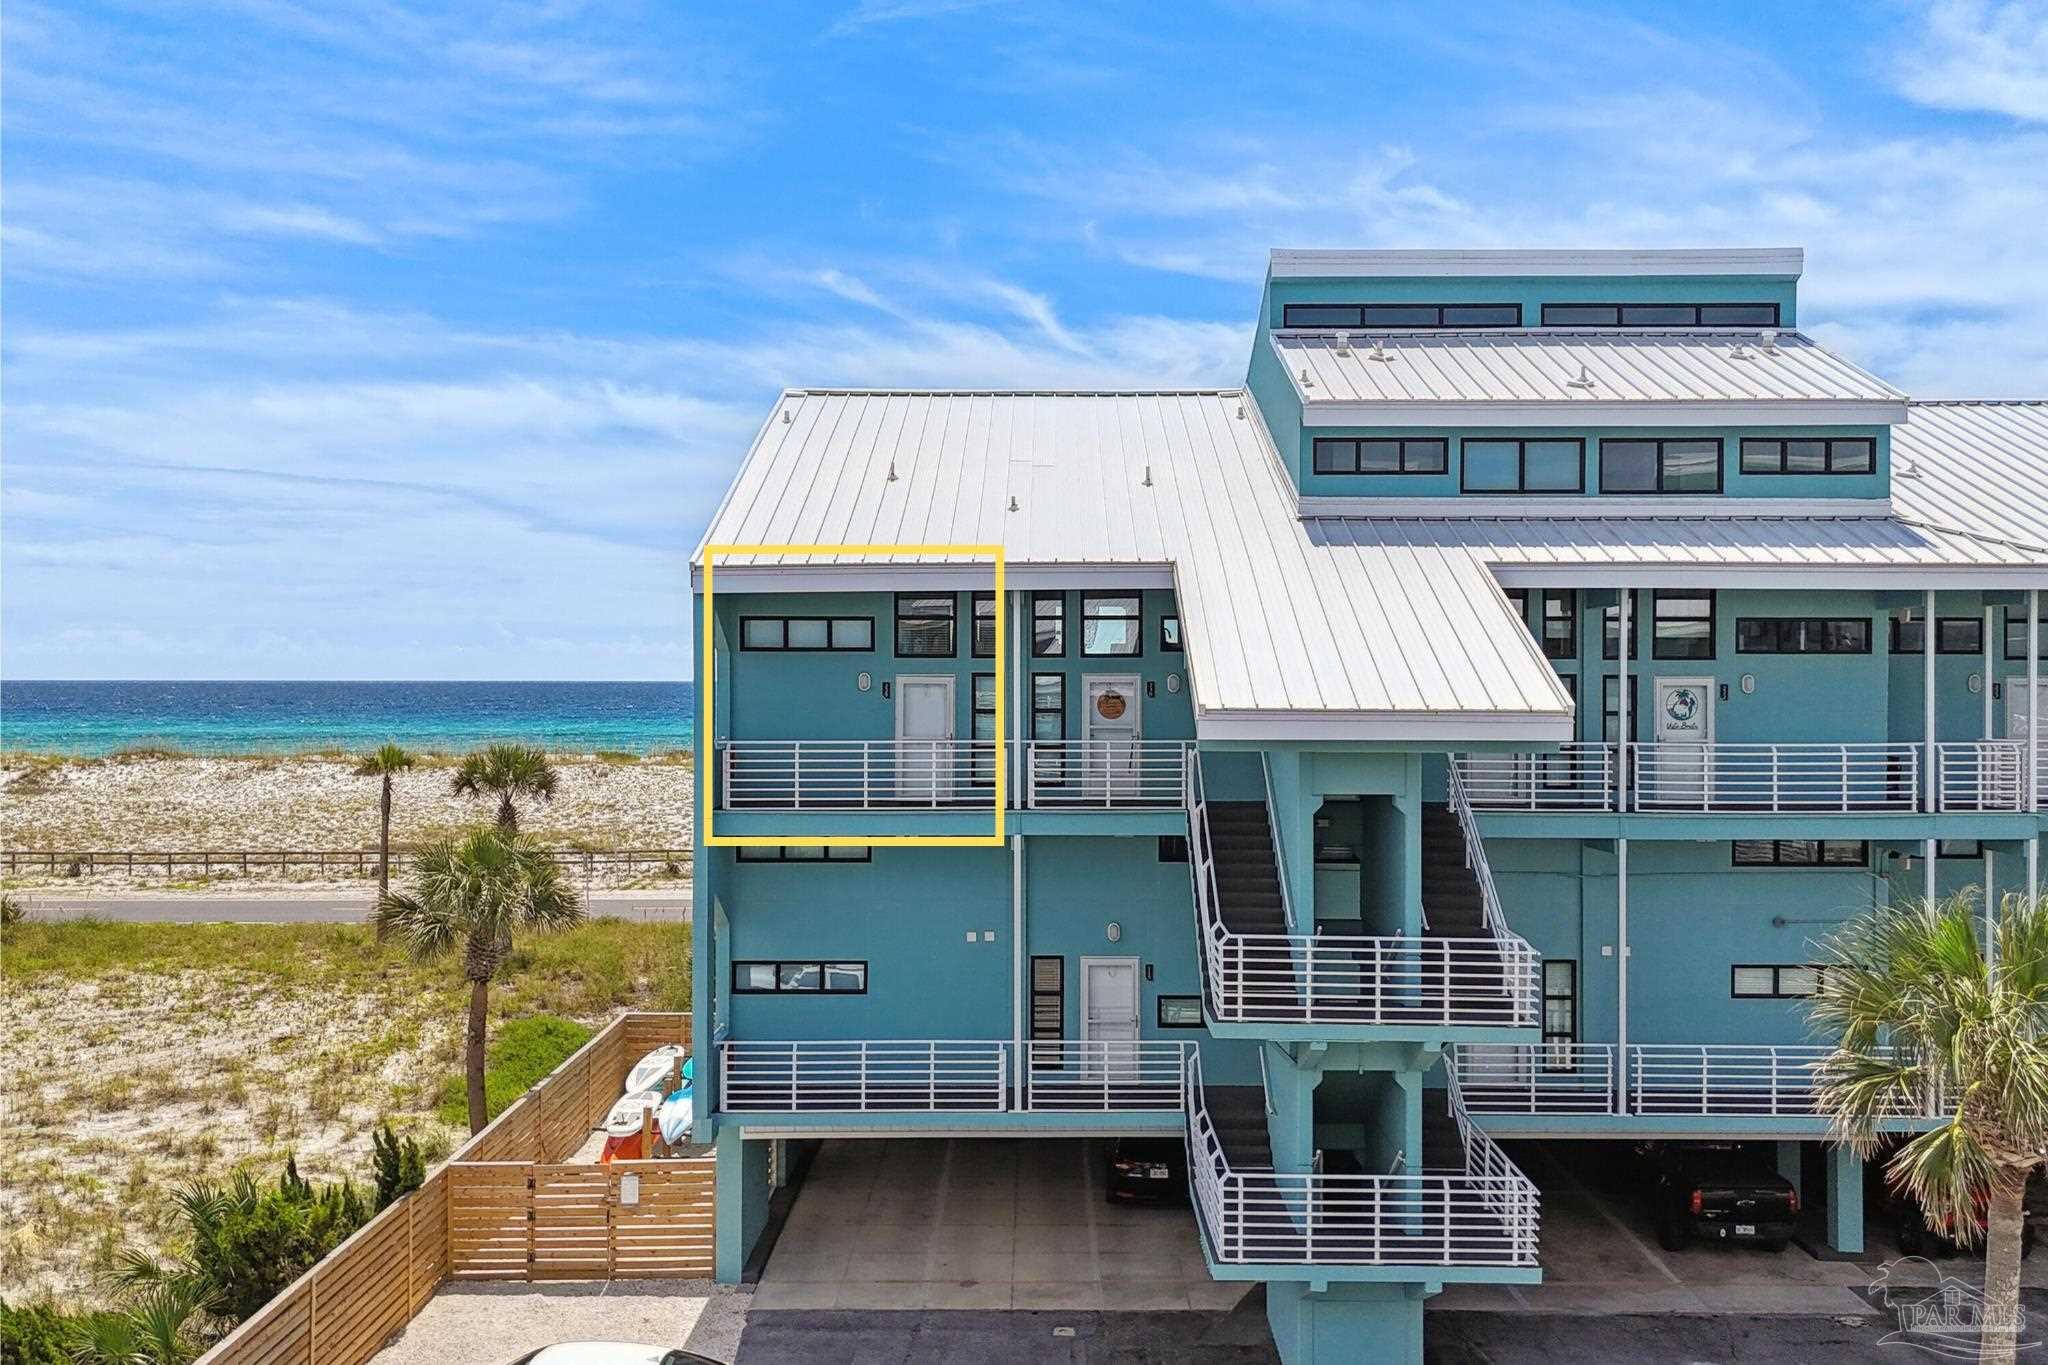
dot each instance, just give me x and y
(1741, 352)
(1013, 502)
(1906, 469)
(1240, 412)
(1584, 381)
(892, 471)
(1343, 344)
(1380, 352)
(785, 417)
(1769, 341)
(1307, 382)
(1148, 476)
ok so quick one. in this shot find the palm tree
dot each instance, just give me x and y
(1924, 1013)
(470, 893)
(508, 772)
(386, 762)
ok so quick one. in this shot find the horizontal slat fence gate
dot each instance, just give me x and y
(508, 1206)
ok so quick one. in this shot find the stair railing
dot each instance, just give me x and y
(1518, 958)
(1279, 850)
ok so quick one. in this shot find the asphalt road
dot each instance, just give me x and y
(259, 909)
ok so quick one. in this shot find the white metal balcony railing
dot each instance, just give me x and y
(1746, 778)
(941, 774)
(1356, 979)
(1659, 1080)
(1485, 1213)
(950, 1076)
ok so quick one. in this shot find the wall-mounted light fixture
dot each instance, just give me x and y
(864, 681)
(1115, 932)
(1151, 688)
(1748, 683)
(1976, 684)
(1724, 691)
(1173, 682)
(885, 691)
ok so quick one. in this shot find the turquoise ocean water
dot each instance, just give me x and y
(267, 717)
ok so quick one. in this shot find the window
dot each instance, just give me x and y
(803, 853)
(2016, 635)
(1180, 1011)
(1952, 635)
(1110, 625)
(1518, 598)
(1800, 853)
(1531, 466)
(844, 634)
(1681, 625)
(984, 645)
(1048, 999)
(1173, 848)
(1401, 315)
(1610, 629)
(1610, 711)
(1809, 455)
(799, 978)
(1958, 848)
(1560, 623)
(982, 727)
(1802, 635)
(924, 625)
(1774, 981)
(1560, 1012)
(1660, 315)
(1169, 635)
(1048, 625)
(1660, 466)
(1049, 723)
(1334, 456)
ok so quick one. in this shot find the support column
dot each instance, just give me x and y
(2031, 784)
(742, 1202)
(1845, 1199)
(1927, 852)
(1621, 731)
(1789, 1166)
(1932, 795)
(1621, 973)
(1018, 992)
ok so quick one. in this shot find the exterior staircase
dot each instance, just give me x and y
(1238, 1113)
(1451, 900)
(1247, 877)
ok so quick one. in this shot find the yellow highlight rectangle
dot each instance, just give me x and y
(711, 839)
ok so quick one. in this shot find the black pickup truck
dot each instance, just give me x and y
(1719, 1193)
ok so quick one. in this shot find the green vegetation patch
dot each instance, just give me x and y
(522, 1053)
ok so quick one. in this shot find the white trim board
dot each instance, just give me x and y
(1599, 412)
(1447, 726)
(1583, 506)
(1293, 263)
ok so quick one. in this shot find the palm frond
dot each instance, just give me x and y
(384, 760)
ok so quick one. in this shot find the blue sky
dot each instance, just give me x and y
(373, 340)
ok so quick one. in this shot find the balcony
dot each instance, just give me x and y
(1659, 1080)
(949, 774)
(1747, 779)
(979, 1076)
(1483, 1213)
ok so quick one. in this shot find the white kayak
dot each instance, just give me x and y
(625, 1117)
(676, 1115)
(657, 1069)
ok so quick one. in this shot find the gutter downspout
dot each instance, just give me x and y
(2032, 783)
(1621, 969)
(1621, 717)
(1017, 1061)
(1927, 704)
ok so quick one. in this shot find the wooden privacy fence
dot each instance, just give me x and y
(506, 1206)
(359, 860)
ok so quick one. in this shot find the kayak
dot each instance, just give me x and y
(675, 1116)
(654, 1071)
(625, 1118)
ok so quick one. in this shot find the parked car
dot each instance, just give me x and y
(1916, 1238)
(1146, 1170)
(1719, 1193)
(611, 1353)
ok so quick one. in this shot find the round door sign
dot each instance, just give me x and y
(1110, 705)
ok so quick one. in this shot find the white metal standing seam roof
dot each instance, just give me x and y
(1283, 639)
(1977, 467)
(1575, 367)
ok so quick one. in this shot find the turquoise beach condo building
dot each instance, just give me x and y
(1461, 733)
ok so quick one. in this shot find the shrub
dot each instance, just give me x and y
(12, 911)
(398, 1164)
(255, 1242)
(35, 1335)
(521, 1055)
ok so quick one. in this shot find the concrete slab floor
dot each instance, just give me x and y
(488, 1323)
(1174, 1337)
(981, 1224)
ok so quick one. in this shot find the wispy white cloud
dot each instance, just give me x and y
(1978, 55)
(869, 13)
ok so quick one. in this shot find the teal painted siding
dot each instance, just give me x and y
(1532, 292)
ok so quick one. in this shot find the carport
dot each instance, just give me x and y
(919, 1223)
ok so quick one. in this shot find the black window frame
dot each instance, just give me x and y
(1621, 318)
(975, 618)
(779, 853)
(1173, 848)
(1610, 646)
(1551, 1037)
(1570, 598)
(1401, 444)
(1059, 618)
(1941, 625)
(1820, 861)
(1159, 1011)
(951, 620)
(1521, 445)
(1659, 597)
(1800, 625)
(2015, 634)
(1137, 650)
(1611, 682)
(1175, 645)
(821, 963)
(1943, 852)
(831, 624)
(981, 763)
(1057, 995)
(1777, 971)
(1784, 456)
(1659, 444)
(1360, 321)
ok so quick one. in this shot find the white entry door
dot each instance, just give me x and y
(1109, 1015)
(924, 738)
(2016, 717)
(1675, 770)
(1110, 729)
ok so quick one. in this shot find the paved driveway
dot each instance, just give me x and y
(980, 1223)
